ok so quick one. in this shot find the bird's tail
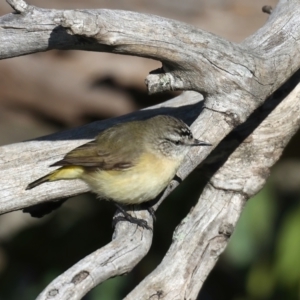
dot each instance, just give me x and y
(67, 172)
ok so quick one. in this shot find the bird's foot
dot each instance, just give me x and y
(140, 222)
(128, 217)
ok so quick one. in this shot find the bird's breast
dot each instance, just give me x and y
(140, 183)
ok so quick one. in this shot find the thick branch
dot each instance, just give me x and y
(215, 123)
(236, 79)
(247, 158)
(105, 263)
(192, 59)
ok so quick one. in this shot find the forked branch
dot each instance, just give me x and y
(235, 80)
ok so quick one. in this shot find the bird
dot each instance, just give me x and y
(128, 163)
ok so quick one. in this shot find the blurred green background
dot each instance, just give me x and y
(67, 89)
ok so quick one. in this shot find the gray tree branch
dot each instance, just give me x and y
(248, 154)
(235, 80)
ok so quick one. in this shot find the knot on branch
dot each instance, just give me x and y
(267, 9)
(78, 278)
(226, 229)
(232, 118)
(52, 293)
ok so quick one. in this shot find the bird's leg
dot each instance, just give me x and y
(150, 210)
(128, 217)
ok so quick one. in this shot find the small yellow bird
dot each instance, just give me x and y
(129, 163)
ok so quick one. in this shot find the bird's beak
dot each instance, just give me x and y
(196, 142)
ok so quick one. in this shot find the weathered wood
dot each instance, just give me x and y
(235, 80)
(248, 154)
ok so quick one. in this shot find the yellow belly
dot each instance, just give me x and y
(141, 183)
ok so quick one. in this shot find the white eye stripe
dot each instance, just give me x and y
(186, 132)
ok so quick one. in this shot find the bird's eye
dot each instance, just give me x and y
(177, 142)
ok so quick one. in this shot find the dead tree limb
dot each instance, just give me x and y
(235, 81)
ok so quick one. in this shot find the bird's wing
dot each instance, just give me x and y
(104, 156)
